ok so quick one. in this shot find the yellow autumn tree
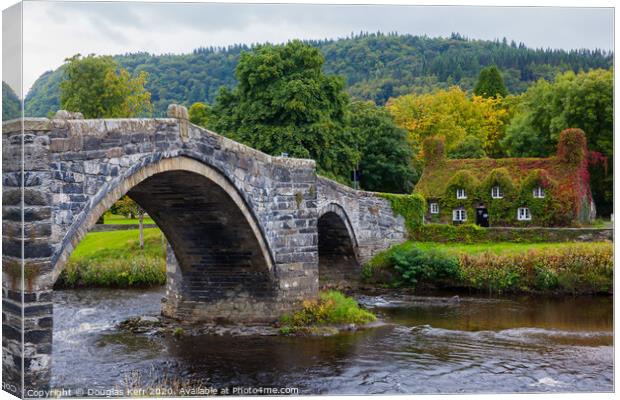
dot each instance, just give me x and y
(452, 114)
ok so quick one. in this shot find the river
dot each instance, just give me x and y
(430, 344)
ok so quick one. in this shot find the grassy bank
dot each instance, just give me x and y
(497, 267)
(114, 259)
(331, 309)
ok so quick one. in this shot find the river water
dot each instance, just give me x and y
(430, 344)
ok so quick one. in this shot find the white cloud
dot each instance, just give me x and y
(54, 31)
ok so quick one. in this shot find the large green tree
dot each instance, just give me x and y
(583, 100)
(490, 83)
(386, 155)
(98, 88)
(284, 103)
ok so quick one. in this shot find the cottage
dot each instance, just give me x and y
(553, 191)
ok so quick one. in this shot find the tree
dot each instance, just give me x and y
(131, 209)
(199, 114)
(583, 100)
(284, 103)
(386, 155)
(98, 88)
(453, 115)
(470, 147)
(490, 83)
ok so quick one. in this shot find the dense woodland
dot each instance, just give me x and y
(374, 66)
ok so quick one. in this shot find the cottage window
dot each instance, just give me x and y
(496, 192)
(538, 193)
(460, 194)
(459, 215)
(434, 208)
(523, 214)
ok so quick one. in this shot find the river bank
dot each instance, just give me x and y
(544, 268)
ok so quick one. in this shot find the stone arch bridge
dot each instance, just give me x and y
(249, 235)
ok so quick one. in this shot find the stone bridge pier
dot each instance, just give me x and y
(250, 235)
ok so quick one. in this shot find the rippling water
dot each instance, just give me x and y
(438, 344)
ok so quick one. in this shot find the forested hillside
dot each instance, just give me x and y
(374, 66)
(10, 103)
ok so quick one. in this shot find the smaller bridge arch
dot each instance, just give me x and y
(337, 246)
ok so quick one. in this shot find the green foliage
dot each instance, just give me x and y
(470, 147)
(284, 103)
(490, 83)
(461, 180)
(199, 114)
(386, 154)
(584, 101)
(414, 266)
(97, 88)
(375, 66)
(502, 267)
(465, 233)
(11, 106)
(501, 211)
(551, 210)
(411, 206)
(332, 308)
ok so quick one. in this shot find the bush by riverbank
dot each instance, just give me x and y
(331, 309)
(497, 267)
(114, 259)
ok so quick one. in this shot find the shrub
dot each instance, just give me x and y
(415, 265)
(332, 307)
(137, 271)
(569, 268)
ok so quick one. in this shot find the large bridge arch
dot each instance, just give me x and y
(130, 183)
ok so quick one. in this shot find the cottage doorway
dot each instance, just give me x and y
(482, 217)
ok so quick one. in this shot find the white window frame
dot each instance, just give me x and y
(538, 193)
(523, 214)
(459, 215)
(434, 208)
(496, 192)
(461, 194)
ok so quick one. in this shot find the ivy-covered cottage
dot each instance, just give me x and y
(553, 191)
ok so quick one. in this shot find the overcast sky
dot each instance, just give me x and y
(56, 30)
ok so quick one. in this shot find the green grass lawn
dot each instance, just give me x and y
(114, 219)
(114, 244)
(497, 248)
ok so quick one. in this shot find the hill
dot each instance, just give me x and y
(11, 108)
(375, 66)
